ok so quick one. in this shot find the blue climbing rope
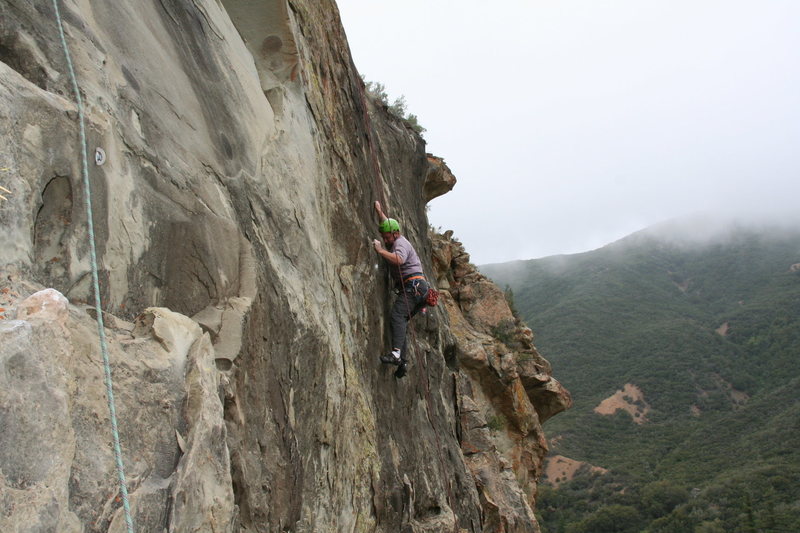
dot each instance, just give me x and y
(123, 487)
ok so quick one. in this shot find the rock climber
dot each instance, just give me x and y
(406, 269)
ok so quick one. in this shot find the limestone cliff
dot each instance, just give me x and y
(234, 160)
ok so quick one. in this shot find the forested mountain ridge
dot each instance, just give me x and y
(707, 327)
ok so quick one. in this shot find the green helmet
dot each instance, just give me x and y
(389, 225)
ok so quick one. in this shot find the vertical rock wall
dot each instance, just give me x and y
(246, 308)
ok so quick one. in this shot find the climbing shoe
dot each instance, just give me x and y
(402, 370)
(392, 358)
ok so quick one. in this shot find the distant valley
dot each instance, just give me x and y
(680, 345)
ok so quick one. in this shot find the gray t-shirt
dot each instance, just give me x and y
(409, 260)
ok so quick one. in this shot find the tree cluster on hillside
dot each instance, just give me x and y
(755, 501)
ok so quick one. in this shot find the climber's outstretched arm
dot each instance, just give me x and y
(379, 210)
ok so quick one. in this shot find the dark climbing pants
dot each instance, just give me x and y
(408, 303)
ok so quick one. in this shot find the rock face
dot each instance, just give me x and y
(238, 160)
(504, 390)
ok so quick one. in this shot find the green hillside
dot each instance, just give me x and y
(709, 331)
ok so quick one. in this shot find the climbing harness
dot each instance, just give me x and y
(432, 296)
(123, 488)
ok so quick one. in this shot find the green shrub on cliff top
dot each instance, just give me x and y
(397, 108)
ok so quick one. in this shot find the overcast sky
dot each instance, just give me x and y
(572, 123)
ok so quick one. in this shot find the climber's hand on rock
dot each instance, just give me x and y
(377, 245)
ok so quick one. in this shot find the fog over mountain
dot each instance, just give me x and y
(697, 230)
(707, 228)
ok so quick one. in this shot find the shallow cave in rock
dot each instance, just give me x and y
(51, 232)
